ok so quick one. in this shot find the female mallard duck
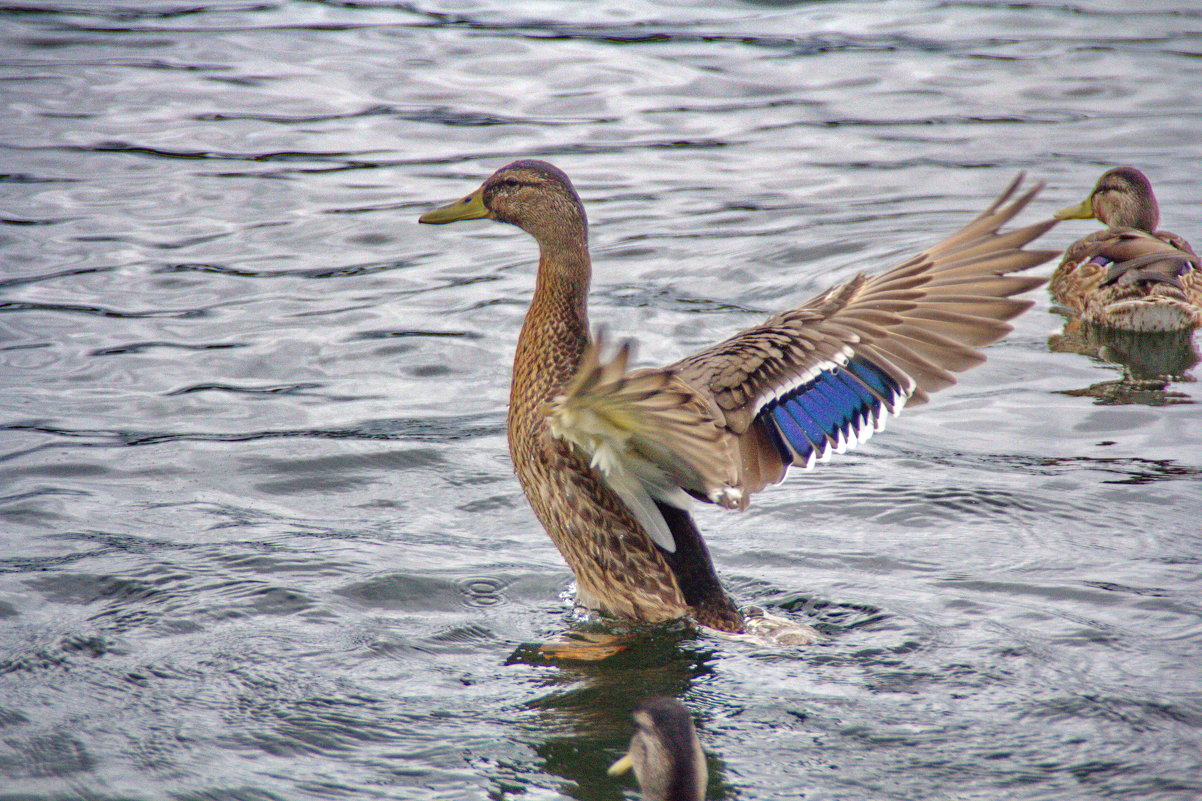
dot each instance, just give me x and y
(665, 753)
(610, 458)
(1129, 276)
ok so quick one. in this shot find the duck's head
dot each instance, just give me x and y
(1123, 198)
(533, 195)
(665, 753)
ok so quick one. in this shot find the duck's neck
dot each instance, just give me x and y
(1140, 213)
(555, 332)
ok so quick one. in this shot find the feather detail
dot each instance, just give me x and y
(823, 377)
(649, 435)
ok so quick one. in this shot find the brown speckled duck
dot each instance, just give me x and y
(1129, 276)
(665, 753)
(611, 458)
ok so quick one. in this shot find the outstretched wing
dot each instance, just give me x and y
(823, 377)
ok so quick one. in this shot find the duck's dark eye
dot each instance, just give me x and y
(512, 183)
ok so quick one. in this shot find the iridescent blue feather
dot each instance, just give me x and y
(841, 404)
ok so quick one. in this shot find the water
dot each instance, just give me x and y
(260, 535)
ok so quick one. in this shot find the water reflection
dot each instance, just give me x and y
(1151, 362)
(584, 722)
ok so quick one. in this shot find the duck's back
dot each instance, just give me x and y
(1130, 279)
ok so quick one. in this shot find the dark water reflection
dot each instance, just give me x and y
(259, 537)
(1151, 362)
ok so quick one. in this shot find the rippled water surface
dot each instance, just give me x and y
(260, 536)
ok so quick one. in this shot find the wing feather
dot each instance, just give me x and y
(790, 388)
(649, 435)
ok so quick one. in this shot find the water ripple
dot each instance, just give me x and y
(261, 536)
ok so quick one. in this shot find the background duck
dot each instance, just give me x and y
(665, 753)
(610, 459)
(1130, 275)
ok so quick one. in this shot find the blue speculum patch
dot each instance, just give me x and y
(836, 405)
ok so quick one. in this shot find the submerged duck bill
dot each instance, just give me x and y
(621, 766)
(470, 208)
(1081, 211)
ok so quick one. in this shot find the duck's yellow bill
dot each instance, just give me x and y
(470, 208)
(1082, 211)
(621, 766)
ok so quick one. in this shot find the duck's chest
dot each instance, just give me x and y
(539, 458)
(548, 353)
(567, 495)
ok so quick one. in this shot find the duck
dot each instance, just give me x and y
(1129, 276)
(613, 458)
(665, 753)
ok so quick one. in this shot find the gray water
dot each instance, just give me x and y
(260, 537)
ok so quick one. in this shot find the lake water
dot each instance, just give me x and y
(260, 537)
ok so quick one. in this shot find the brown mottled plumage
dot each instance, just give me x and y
(1129, 276)
(610, 458)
